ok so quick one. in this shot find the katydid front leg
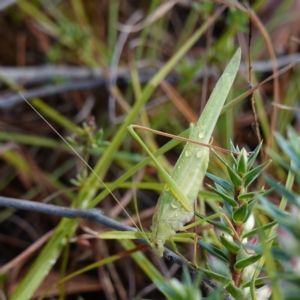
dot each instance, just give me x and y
(175, 204)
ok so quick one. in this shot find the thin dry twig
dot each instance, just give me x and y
(46, 73)
(66, 212)
(92, 79)
(252, 100)
(113, 74)
(286, 107)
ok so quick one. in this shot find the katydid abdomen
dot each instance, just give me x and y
(171, 213)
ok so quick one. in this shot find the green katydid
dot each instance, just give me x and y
(175, 204)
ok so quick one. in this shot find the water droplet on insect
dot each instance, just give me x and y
(201, 134)
(175, 204)
(187, 153)
(52, 261)
(199, 154)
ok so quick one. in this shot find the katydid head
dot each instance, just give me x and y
(160, 233)
(158, 247)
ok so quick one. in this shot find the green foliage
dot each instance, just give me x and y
(238, 254)
(287, 251)
(87, 139)
(235, 19)
(76, 38)
(204, 7)
(181, 290)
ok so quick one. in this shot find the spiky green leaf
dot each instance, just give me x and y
(214, 251)
(214, 275)
(235, 178)
(223, 183)
(289, 195)
(288, 149)
(256, 230)
(219, 225)
(221, 159)
(252, 157)
(280, 160)
(230, 200)
(240, 214)
(280, 254)
(235, 292)
(243, 263)
(258, 281)
(242, 161)
(250, 176)
(231, 246)
(273, 211)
